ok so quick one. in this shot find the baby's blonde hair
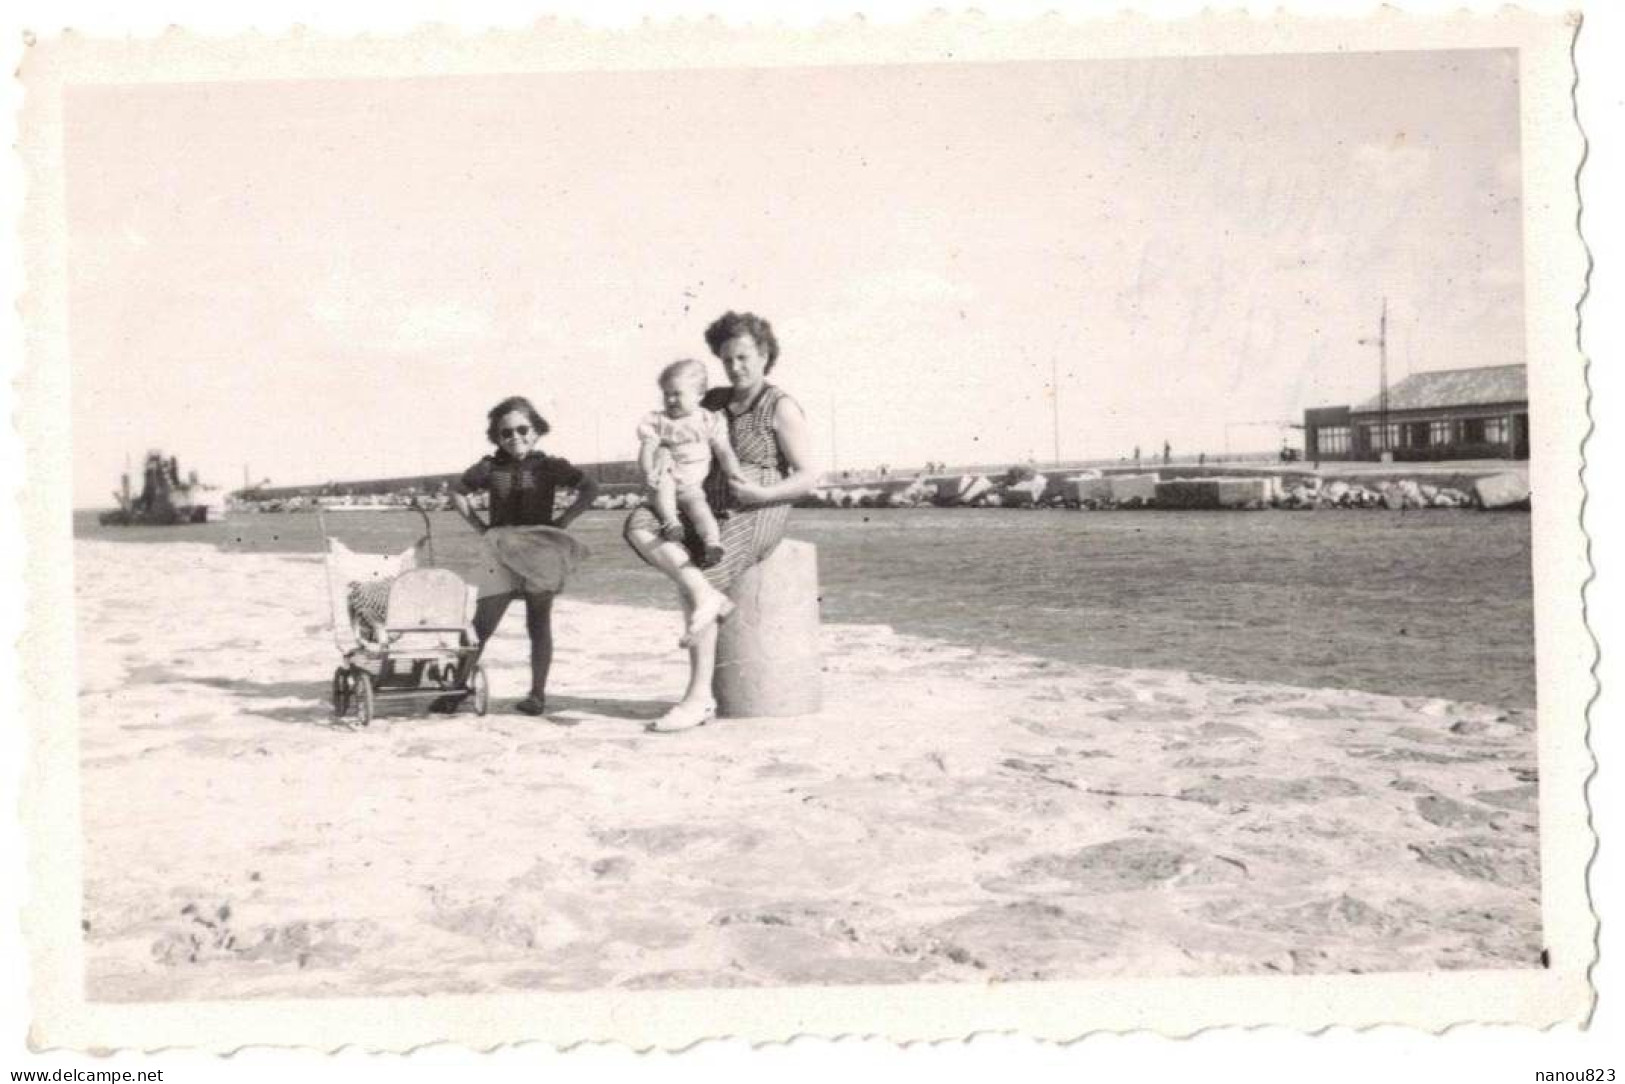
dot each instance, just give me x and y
(681, 369)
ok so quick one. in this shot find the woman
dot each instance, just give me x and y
(769, 435)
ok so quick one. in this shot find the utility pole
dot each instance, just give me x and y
(834, 446)
(1055, 405)
(1381, 343)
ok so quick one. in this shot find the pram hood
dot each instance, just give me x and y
(345, 567)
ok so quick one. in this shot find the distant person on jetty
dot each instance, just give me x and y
(521, 482)
(676, 447)
(771, 439)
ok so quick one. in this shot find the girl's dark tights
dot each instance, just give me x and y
(538, 623)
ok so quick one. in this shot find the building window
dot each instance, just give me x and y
(1374, 441)
(1495, 431)
(1332, 440)
(1439, 433)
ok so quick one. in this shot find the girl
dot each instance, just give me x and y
(521, 482)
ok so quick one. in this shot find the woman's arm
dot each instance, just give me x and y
(790, 426)
(585, 492)
(465, 508)
(723, 452)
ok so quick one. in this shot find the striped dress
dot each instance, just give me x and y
(748, 534)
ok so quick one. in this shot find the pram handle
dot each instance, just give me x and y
(428, 527)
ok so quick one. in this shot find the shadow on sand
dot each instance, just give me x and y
(315, 707)
(639, 710)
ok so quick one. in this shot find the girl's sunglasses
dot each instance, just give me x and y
(514, 431)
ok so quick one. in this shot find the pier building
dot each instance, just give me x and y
(1480, 413)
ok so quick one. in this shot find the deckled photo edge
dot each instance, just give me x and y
(1554, 265)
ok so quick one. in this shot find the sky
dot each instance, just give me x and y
(314, 281)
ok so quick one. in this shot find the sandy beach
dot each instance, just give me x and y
(952, 815)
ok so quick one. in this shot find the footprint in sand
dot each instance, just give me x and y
(1211, 763)
(1225, 732)
(1449, 813)
(1337, 916)
(782, 769)
(1522, 799)
(664, 839)
(1119, 865)
(799, 957)
(515, 922)
(817, 916)
(1252, 788)
(214, 933)
(1387, 755)
(615, 867)
(1497, 859)
(1026, 939)
(1148, 713)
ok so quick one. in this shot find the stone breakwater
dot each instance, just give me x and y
(1094, 491)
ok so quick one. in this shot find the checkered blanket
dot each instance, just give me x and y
(369, 606)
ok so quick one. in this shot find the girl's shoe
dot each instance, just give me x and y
(712, 610)
(531, 705)
(685, 716)
(712, 555)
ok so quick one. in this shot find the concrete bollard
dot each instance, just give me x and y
(768, 656)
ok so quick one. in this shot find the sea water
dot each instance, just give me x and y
(1434, 603)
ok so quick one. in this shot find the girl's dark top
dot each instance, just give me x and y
(521, 489)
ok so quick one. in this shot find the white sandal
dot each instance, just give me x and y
(685, 716)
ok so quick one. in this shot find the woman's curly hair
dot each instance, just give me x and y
(731, 325)
(513, 404)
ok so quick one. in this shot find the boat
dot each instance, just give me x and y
(165, 499)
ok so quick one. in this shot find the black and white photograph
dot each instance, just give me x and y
(677, 526)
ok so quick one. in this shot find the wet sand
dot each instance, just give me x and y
(952, 815)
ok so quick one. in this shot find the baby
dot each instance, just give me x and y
(676, 448)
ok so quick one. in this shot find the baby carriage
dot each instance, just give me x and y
(404, 627)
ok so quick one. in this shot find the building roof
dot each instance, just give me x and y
(1455, 387)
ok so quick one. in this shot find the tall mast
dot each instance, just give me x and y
(1382, 351)
(1381, 343)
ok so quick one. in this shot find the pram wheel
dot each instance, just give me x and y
(480, 689)
(363, 697)
(341, 692)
